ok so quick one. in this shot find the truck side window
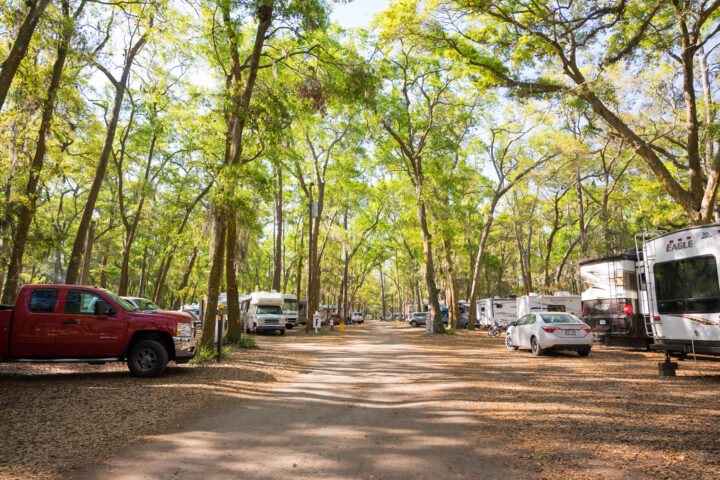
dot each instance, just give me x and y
(81, 301)
(43, 300)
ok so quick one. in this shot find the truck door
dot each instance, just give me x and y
(34, 326)
(82, 333)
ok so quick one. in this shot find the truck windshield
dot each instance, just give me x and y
(124, 304)
(269, 309)
(689, 285)
(289, 304)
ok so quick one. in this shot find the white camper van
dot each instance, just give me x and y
(290, 310)
(558, 302)
(262, 312)
(680, 289)
(500, 310)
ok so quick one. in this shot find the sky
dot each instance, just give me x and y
(358, 13)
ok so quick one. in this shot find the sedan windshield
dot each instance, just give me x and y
(269, 309)
(124, 304)
(558, 318)
(147, 304)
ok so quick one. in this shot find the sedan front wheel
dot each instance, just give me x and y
(509, 343)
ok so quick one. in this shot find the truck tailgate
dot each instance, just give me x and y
(5, 317)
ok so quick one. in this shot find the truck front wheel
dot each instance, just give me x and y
(147, 358)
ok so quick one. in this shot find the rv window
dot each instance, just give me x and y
(556, 308)
(687, 286)
(498, 305)
(269, 309)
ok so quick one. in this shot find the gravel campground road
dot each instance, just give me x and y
(370, 406)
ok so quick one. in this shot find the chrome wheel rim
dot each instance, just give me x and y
(145, 359)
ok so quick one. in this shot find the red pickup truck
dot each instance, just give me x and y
(71, 323)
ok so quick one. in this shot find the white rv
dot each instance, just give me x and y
(558, 302)
(290, 310)
(500, 310)
(262, 311)
(681, 293)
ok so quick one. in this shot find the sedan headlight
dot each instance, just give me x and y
(184, 330)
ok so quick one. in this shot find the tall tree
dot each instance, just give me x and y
(119, 85)
(26, 208)
(10, 65)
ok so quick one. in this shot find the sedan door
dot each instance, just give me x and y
(527, 329)
(517, 332)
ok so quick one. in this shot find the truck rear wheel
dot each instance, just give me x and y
(147, 358)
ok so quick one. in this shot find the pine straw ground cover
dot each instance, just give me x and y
(54, 418)
(605, 416)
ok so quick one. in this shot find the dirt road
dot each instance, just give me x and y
(373, 406)
(384, 401)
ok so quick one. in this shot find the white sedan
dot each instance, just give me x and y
(541, 331)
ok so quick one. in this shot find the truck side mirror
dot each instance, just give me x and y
(102, 307)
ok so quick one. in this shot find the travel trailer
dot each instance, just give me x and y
(679, 278)
(290, 310)
(262, 311)
(501, 310)
(611, 300)
(558, 302)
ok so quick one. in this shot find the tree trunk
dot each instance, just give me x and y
(26, 209)
(429, 264)
(215, 278)
(298, 278)
(185, 279)
(87, 256)
(103, 270)
(382, 293)
(74, 263)
(143, 271)
(454, 307)
(345, 272)
(277, 267)
(20, 46)
(472, 314)
(233, 305)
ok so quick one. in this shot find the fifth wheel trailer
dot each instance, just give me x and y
(679, 273)
(612, 302)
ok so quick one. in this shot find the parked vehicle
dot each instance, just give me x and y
(497, 329)
(290, 310)
(70, 323)
(418, 318)
(142, 304)
(302, 312)
(357, 317)
(680, 291)
(558, 302)
(545, 330)
(496, 309)
(335, 319)
(611, 300)
(262, 312)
